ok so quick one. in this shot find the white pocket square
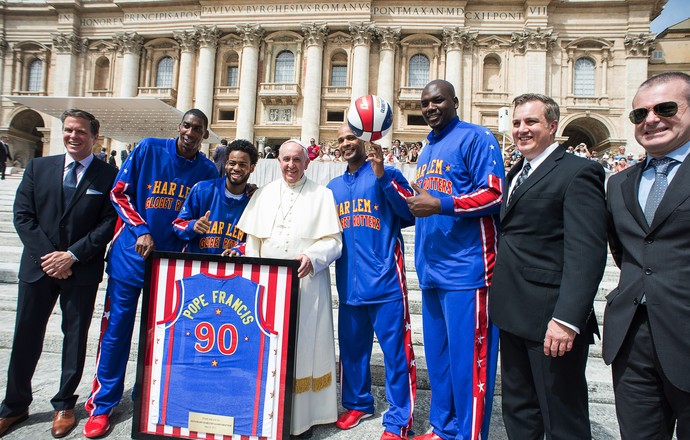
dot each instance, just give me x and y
(93, 192)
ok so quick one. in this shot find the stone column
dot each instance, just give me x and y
(605, 57)
(261, 140)
(205, 74)
(534, 44)
(638, 48)
(148, 68)
(571, 71)
(361, 38)
(185, 84)
(246, 109)
(388, 38)
(130, 43)
(3, 51)
(67, 47)
(17, 69)
(455, 39)
(315, 36)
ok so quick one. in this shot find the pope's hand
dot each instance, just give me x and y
(305, 266)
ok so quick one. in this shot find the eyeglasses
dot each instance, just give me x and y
(663, 110)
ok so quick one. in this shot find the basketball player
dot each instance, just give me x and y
(149, 191)
(370, 276)
(208, 219)
(459, 185)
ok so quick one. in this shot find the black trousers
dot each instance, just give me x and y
(648, 406)
(541, 394)
(35, 304)
(3, 166)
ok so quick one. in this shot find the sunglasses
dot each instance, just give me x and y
(663, 110)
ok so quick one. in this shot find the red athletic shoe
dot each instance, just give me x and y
(97, 426)
(351, 418)
(428, 436)
(390, 436)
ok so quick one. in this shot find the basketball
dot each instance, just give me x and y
(370, 118)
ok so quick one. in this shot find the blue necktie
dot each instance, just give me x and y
(658, 187)
(521, 178)
(69, 185)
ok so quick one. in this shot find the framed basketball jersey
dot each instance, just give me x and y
(215, 348)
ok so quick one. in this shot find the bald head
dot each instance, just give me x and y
(441, 84)
(439, 104)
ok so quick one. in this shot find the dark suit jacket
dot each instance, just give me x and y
(220, 156)
(4, 152)
(653, 260)
(552, 250)
(84, 227)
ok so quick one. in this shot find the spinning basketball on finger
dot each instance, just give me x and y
(370, 274)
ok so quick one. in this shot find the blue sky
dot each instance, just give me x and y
(675, 11)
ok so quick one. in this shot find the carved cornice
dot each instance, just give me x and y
(187, 40)
(388, 37)
(251, 34)
(207, 36)
(458, 38)
(314, 33)
(531, 39)
(639, 45)
(339, 39)
(69, 43)
(129, 42)
(362, 32)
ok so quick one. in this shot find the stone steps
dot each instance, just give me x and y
(598, 374)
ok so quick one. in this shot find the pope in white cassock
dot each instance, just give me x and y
(295, 218)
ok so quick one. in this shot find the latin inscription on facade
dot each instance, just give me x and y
(271, 9)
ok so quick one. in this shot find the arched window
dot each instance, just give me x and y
(419, 71)
(35, 76)
(232, 70)
(164, 72)
(584, 77)
(491, 76)
(101, 75)
(285, 67)
(339, 70)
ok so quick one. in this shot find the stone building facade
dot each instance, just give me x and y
(268, 71)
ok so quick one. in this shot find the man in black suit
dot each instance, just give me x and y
(63, 215)
(647, 318)
(550, 260)
(124, 153)
(4, 156)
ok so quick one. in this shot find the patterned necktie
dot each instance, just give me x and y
(658, 188)
(69, 185)
(521, 178)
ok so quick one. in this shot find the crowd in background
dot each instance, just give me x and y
(612, 160)
(328, 151)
